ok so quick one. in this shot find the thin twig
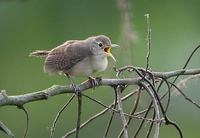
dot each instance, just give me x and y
(6, 130)
(183, 83)
(100, 103)
(99, 114)
(136, 102)
(148, 40)
(170, 122)
(150, 85)
(110, 120)
(52, 129)
(187, 62)
(27, 120)
(169, 95)
(113, 109)
(79, 96)
(186, 98)
(146, 111)
(151, 125)
(121, 112)
(155, 100)
(167, 120)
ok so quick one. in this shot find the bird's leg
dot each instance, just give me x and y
(93, 82)
(74, 86)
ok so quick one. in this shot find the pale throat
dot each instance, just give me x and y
(99, 63)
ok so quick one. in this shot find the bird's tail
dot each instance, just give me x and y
(39, 53)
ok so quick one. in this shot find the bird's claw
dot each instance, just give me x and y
(93, 82)
(75, 88)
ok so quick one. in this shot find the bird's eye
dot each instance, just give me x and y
(100, 44)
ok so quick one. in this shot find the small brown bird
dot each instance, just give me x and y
(78, 57)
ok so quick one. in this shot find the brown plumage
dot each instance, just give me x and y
(65, 56)
(77, 57)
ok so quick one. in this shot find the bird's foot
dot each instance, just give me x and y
(75, 88)
(73, 85)
(93, 81)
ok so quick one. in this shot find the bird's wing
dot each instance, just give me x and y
(65, 56)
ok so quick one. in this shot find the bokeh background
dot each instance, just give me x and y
(27, 25)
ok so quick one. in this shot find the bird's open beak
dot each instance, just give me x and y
(107, 51)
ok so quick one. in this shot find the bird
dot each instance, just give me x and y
(78, 58)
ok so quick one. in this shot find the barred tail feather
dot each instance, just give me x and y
(39, 53)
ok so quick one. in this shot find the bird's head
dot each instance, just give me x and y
(101, 45)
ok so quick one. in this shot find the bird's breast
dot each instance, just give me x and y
(99, 63)
(89, 66)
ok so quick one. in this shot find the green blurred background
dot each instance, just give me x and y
(28, 25)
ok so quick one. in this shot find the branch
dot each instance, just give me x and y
(121, 112)
(6, 130)
(136, 102)
(183, 83)
(20, 100)
(100, 114)
(52, 129)
(111, 119)
(79, 114)
(155, 101)
(148, 40)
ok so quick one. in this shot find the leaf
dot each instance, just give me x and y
(6, 130)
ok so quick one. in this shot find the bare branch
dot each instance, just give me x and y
(188, 60)
(155, 101)
(186, 98)
(20, 100)
(111, 118)
(151, 125)
(100, 103)
(183, 83)
(121, 112)
(148, 40)
(79, 96)
(6, 130)
(27, 120)
(99, 114)
(133, 110)
(52, 130)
